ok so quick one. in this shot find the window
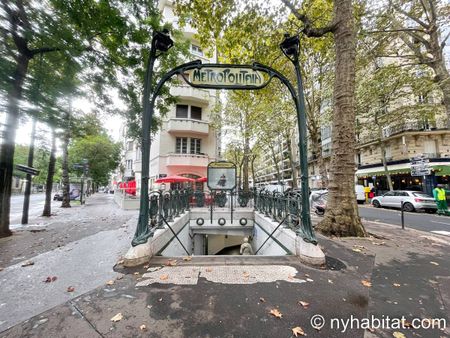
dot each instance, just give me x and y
(182, 111)
(196, 113)
(138, 153)
(130, 145)
(196, 50)
(389, 194)
(181, 145)
(130, 164)
(195, 145)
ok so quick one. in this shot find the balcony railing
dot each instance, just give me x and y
(176, 159)
(188, 92)
(403, 127)
(188, 125)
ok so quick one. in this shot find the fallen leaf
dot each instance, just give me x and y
(306, 275)
(246, 275)
(48, 280)
(110, 282)
(304, 304)
(276, 313)
(378, 243)
(262, 300)
(117, 317)
(397, 334)
(396, 284)
(54, 278)
(359, 246)
(27, 263)
(434, 263)
(357, 250)
(1, 269)
(171, 262)
(290, 277)
(208, 269)
(70, 289)
(406, 323)
(330, 281)
(298, 331)
(164, 277)
(309, 280)
(160, 300)
(136, 273)
(187, 258)
(366, 283)
(143, 327)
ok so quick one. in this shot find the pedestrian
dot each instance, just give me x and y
(440, 197)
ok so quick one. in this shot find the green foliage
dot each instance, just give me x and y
(101, 153)
(40, 162)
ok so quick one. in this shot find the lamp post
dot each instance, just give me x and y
(290, 47)
(161, 42)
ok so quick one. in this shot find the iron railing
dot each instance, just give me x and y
(166, 205)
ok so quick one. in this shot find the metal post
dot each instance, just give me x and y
(26, 199)
(142, 230)
(290, 47)
(403, 215)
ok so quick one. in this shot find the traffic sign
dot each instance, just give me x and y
(27, 170)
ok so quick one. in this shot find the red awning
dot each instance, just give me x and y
(174, 179)
(201, 179)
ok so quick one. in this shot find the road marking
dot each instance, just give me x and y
(440, 222)
(441, 232)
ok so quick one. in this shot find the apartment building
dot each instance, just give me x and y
(186, 141)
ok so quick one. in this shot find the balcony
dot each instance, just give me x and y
(193, 160)
(198, 127)
(190, 93)
(403, 127)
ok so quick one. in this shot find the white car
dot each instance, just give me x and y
(412, 200)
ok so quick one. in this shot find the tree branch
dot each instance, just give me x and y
(44, 50)
(308, 29)
(395, 30)
(445, 40)
(400, 10)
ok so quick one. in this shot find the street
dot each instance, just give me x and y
(419, 221)
(36, 208)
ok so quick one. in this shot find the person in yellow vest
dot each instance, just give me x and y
(440, 197)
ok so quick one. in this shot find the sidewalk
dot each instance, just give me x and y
(409, 272)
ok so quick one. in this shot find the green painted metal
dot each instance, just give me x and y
(143, 231)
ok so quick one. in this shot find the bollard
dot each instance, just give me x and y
(403, 216)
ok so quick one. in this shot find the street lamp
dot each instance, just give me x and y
(290, 47)
(161, 42)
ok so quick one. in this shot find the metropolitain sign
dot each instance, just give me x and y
(225, 77)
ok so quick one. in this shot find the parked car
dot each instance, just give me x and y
(413, 200)
(74, 194)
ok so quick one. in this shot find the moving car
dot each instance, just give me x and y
(413, 200)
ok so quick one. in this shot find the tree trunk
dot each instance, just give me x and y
(342, 218)
(65, 162)
(385, 167)
(275, 162)
(26, 199)
(252, 161)
(291, 160)
(442, 78)
(51, 172)
(8, 145)
(245, 163)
